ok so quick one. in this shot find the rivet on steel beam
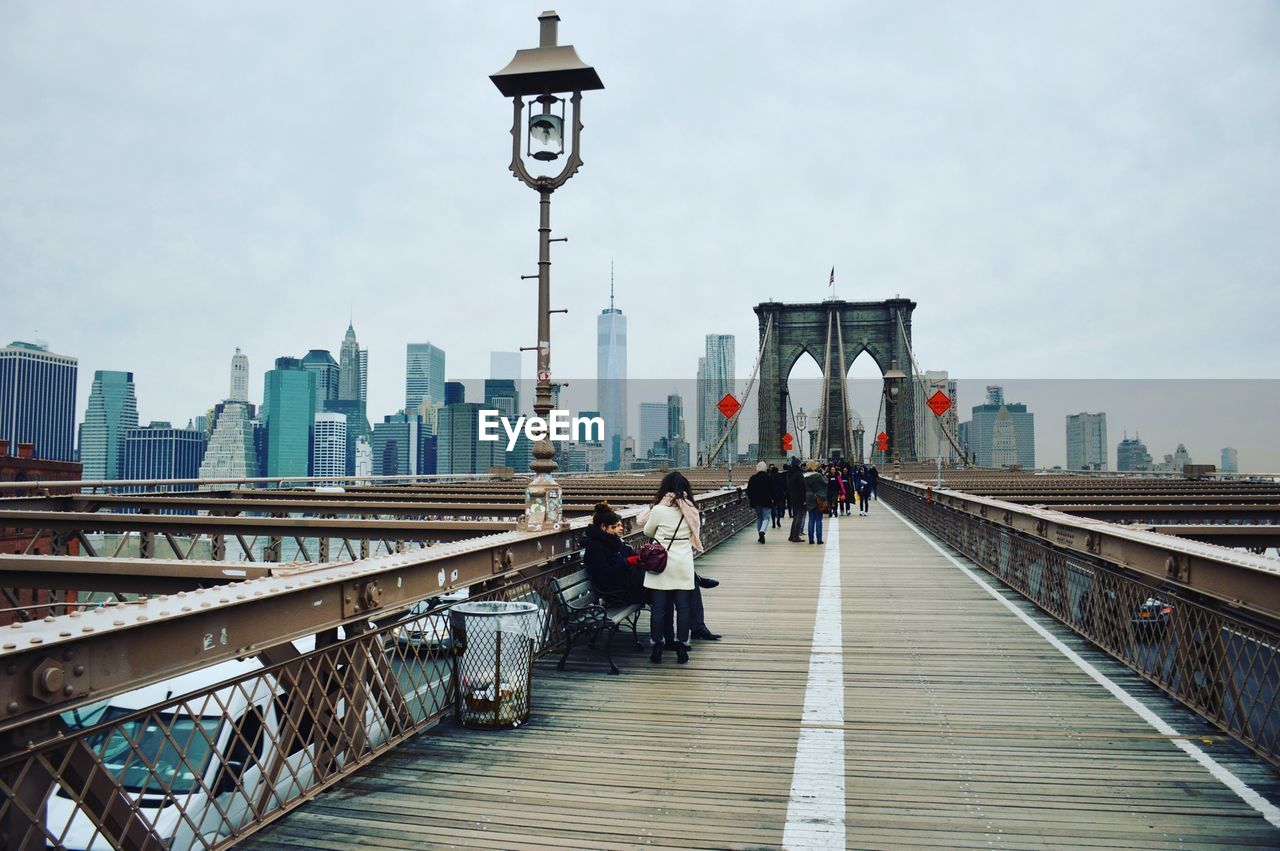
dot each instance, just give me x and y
(35, 639)
(74, 615)
(64, 635)
(117, 623)
(15, 625)
(12, 706)
(78, 670)
(49, 619)
(142, 618)
(86, 629)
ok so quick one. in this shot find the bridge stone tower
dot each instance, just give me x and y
(851, 327)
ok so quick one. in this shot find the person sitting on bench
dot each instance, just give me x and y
(617, 576)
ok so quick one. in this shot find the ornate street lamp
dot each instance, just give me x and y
(545, 75)
(802, 419)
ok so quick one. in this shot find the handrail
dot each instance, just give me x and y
(126, 645)
(1241, 580)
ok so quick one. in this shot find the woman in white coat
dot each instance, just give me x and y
(674, 522)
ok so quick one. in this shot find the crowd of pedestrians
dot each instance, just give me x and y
(808, 493)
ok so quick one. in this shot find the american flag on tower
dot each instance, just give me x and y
(832, 282)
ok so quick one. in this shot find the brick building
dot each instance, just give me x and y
(24, 467)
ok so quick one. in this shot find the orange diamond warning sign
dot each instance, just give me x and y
(728, 406)
(939, 403)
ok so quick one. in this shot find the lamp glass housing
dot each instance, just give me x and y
(546, 128)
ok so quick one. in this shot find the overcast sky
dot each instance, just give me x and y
(1068, 190)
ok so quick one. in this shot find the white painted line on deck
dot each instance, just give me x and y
(815, 811)
(1268, 810)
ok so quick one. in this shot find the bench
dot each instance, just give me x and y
(582, 610)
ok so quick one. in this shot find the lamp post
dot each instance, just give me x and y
(859, 431)
(802, 419)
(893, 378)
(545, 75)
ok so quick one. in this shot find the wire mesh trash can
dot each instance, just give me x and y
(493, 662)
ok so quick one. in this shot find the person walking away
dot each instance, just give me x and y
(873, 477)
(865, 489)
(795, 499)
(673, 521)
(815, 489)
(760, 496)
(779, 483)
(833, 489)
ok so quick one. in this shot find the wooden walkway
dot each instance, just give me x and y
(963, 728)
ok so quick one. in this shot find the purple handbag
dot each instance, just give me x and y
(653, 556)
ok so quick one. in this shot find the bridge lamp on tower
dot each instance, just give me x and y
(548, 76)
(893, 379)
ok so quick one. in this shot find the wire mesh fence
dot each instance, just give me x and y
(1223, 664)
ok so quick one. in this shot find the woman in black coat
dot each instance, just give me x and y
(612, 565)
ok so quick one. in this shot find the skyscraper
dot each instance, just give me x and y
(1132, 454)
(1086, 441)
(455, 392)
(239, 377)
(38, 400)
(398, 445)
(1230, 460)
(500, 394)
(160, 451)
(321, 364)
(353, 410)
(289, 406)
(459, 449)
(230, 453)
(653, 426)
(1015, 443)
(677, 445)
(424, 376)
(611, 377)
(329, 445)
(112, 409)
(350, 383)
(716, 378)
(364, 375)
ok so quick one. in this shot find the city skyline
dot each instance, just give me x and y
(1153, 409)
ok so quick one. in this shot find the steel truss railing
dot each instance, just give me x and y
(1214, 655)
(204, 769)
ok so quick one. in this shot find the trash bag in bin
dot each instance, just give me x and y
(493, 662)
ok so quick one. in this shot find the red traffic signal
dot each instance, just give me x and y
(787, 442)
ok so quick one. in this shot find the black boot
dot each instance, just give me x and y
(655, 655)
(682, 653)
(705, 581)
(762, 537)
